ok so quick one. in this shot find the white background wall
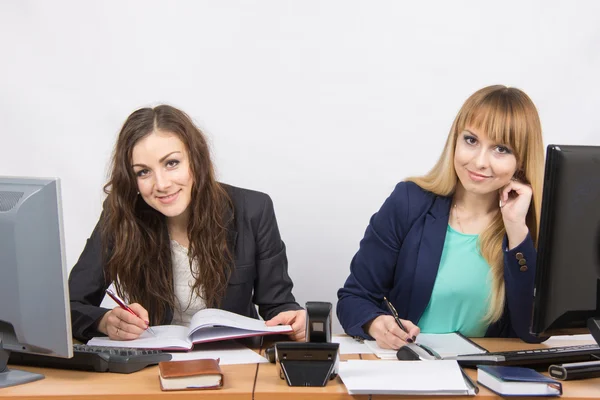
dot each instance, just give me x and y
(324, 105)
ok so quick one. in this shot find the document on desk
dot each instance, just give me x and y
(440, 377)
(569, 340)
(349, 345)
(445, 344)
(229, 353)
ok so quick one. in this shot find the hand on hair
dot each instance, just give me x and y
(515, 199)
(388, 334)
(120, 324)
(296, 318)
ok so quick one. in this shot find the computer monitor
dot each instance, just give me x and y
(35, 316)
(567, 284)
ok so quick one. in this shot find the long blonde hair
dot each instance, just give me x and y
(507, 116)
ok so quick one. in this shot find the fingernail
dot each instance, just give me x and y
(409, 340)
(147, 322)
(414, 338)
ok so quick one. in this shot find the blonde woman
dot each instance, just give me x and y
(455, 250)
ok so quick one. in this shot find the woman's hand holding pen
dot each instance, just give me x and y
(120, 324)
(388, 334)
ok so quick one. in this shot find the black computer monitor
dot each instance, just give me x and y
(567, 282)
(35, 316)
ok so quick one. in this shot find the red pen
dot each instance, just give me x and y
(124, 305)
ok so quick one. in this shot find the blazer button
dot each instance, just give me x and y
(519, 255)
(522, 261)
(523, 268)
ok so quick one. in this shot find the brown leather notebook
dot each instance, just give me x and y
(190, 374)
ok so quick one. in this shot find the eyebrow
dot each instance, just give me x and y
(160, 161)
(466, 130)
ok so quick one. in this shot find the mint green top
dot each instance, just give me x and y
(460, 295)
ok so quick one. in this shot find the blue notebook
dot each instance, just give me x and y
(517, 381)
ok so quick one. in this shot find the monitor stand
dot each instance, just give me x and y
(593, 325)
(12, 377)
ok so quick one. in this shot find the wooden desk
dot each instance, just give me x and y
(270, 387)
(77, 385)
(241, 382)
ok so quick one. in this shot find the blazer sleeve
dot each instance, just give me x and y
(273, 285)
(372, 268)
(86, 289)
(519, 278)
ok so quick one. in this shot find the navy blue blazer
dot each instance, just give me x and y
(399, 258)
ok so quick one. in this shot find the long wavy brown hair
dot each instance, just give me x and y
(135, 236)
(508, 116)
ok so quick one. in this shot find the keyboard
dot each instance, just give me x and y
(540, 358)
(95, 358)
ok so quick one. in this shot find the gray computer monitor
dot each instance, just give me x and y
(34, 302)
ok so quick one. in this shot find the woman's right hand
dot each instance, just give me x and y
(120, 324)
(388, 334)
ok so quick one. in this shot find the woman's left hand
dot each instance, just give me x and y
(515, 199)
(296, 318)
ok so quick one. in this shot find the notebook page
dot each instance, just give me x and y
(441, 377)
(167, 337)
(214, 317)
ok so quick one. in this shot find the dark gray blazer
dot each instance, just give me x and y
(260, 276)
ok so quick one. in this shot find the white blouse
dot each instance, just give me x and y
(186, 301)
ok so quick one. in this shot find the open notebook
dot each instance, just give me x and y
(208, 325)
(447, 345)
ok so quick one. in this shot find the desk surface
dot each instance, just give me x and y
(76, 385)
(270, 387)
(258, 381)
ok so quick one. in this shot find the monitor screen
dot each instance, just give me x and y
(34, 303)
(568, 262)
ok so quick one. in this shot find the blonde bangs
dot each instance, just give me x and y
(503, 119)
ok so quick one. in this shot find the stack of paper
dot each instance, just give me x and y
(229, 352)
(407, 377)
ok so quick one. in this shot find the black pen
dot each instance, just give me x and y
(394, 313)
(469, 380)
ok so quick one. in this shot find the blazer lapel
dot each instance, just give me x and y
(430, 254)
(232, 233)
(232, 239)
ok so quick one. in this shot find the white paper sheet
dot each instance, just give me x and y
(228, 353)
(567, 340)
(440, 377)
(349, 345)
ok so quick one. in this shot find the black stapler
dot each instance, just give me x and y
(415, 351)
